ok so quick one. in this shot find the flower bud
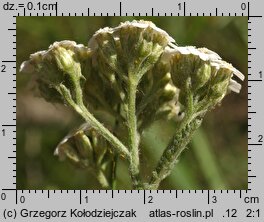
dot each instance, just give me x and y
(154, 92)
(71, 148)
(69, 152)
(181, 69)
(130, 49)
(83, 147)
(64, 58)
(169, 92)
(201, 75)
(219, 84)
(58, 65)
(210, 77)
(83, 144)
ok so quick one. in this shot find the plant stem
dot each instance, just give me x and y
(178, 143)
(113, 172)
(104, 132)
(171, 154)
(102, 179)
(99, 127)
(132, 134)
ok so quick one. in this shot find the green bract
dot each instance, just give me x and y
(134, 74)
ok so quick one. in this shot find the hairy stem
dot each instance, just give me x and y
(132, 134)
(171, 154)
(104, 132)
(179, 141)
(99, 127)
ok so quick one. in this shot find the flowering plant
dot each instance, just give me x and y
(137, 74)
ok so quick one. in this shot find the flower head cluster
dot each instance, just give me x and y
(135, 74)
(203, 73)
(57, 68)
(83, 147)
(134, 53)
(129, 50)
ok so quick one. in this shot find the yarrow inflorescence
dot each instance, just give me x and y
(136, 74)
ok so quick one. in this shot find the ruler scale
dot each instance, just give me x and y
(126, 205)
